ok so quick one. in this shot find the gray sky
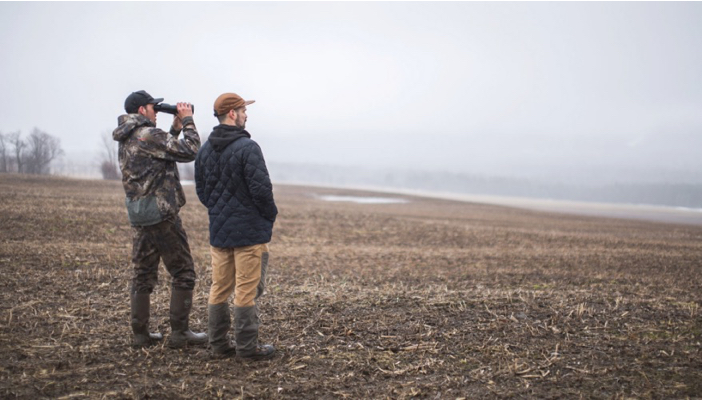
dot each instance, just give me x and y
(603, 91)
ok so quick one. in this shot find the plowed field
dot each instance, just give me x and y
(423, 299)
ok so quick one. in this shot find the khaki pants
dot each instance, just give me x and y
(240, 270)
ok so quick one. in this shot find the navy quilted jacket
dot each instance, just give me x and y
(232, 182)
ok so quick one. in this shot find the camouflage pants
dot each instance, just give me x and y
(166, 240)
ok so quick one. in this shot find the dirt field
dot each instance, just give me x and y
(427, 299)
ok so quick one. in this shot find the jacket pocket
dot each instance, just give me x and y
(144, 211)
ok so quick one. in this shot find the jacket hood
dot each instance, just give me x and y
(127, 123)
(223, 135)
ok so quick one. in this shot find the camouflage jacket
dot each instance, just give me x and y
(147, 158)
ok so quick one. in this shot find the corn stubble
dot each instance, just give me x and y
(426, 299)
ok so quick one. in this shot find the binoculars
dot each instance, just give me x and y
(169, 109)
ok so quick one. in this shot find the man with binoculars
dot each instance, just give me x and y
(147, 159)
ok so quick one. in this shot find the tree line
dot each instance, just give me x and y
(32, 155)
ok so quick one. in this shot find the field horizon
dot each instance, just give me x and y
(427, 298)
(634, 211)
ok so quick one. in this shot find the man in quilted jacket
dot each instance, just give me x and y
(233, 183)
(147, 158)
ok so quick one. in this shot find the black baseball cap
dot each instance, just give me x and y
(138, 99)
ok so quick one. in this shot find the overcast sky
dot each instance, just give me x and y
(542, 90)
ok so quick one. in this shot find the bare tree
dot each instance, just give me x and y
(3, 153)
(19, 146)
(42, 148)
(109, 166)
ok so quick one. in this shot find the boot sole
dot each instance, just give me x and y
(148, 342)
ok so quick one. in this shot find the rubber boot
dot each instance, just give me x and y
(218, 324)
(246, 329)
(181, 335)
(141, 305)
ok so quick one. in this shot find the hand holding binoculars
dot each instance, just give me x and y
(168, 108)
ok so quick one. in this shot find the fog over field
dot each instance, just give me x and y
(587, 101)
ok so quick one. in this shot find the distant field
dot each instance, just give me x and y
(427, 298)
(643, 212)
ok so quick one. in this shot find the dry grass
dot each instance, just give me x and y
(429, 299)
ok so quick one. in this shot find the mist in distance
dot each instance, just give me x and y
(540, 99)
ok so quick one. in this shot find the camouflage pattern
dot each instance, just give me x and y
(147, 158)
(166, 240)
